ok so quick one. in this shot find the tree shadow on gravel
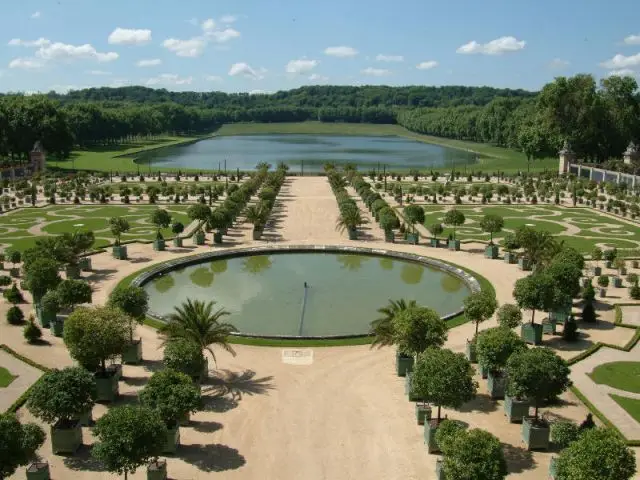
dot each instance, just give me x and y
(205, 426)
(218, 403)
(212, 457)
(82, 460)
(238, 384)
(152, 365)
(518, 459)
(482, 403)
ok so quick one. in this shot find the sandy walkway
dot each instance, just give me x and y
(344, 416)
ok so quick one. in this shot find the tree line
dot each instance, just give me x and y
(598, 119)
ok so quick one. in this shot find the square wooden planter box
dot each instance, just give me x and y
(404, 364)
(597, 271)
(454, 245)
(217, 238)
(57, 327)
(524, 264)
(107, 388)
(509, 257)
(440, 470)
(119, 252)
(389, 237)
(471, 352)
(412, 238)
(484, 372)
(85, 264)
(430, 429)
(157, 470)
(515, 410)
(531, 333)
(132, 353)
(617, 282)
(353, 234)
(257, 234)
(491, 251)
(38, 471)
(45, 317)
(496, 384)
(549, 327)
(198, 238)
(535, 437)
(159, 245)
(66, 440)
(173, 440)
(434, 242)
(177, 242)
(423, 413)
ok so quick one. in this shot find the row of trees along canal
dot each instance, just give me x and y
(599, 121)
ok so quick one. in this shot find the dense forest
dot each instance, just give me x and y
(598, 119)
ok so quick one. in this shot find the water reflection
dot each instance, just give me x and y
(219, 266)
(256, 264)
(352, 263)
(451, 284)
(164, 283)
(412, 273)
(202, 277)
(386, 263)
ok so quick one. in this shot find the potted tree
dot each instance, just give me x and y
(186, 357)
(388, 222)
(491, 224)
(94, 335)
(510, 244)
(161, 219)
(129, 437)
(177, 228)
(118, 226)
(350, 219)
(197, 322)
(59, 397)
(474, 454)
(534, 292)
(596, 256)
(537, 375)
(256, 215)
(14, 258)
(478, 307)
(383, 334)
(603, 283)
(610, 256)
(509, 316)
(621, 266)
(414, 214)
(134, 302)
(174, 396)
(83, 241)
(18, 444)
(41, 277)
(49, 308)
(598, 453)
(455, 218)
(495, 346)
(72, 293)
(444, 379)
(435, 229)
(218, 220)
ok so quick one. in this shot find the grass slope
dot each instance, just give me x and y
(621, 375)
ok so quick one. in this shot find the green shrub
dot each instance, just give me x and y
(5, 281)
(564, 433)
(13, 295)
(15, 316)
(32, 332)
(570, 330)
(603, 281)
(634, 292)
(509, 316)
(184, 356)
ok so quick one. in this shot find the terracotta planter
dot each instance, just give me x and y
(535, 437)
(514, 409)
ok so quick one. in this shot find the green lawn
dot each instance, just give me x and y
(5, 377)
(115, 157)
(585, 229)
(491, 158)
(631, 405)
(57, 219)
(621, 375)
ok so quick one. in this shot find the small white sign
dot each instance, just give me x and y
(296, 356)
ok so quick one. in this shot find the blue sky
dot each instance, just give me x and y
(269, 45)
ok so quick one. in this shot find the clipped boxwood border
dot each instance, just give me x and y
(22, 399)
(593, 349)
(455, 321)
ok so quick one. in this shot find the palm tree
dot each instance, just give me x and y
(350, 219)
(255, 215)
(196, 322)
(382, 328)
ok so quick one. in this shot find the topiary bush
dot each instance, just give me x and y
(32, 332)
(570, 331)
(564, 433)
(15, 316)
(184, 356)
(13, 295)
(509, 316)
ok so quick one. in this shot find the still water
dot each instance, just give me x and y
(244, 152)
(266, 294)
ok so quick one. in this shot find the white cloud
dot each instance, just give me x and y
(169, 79)
(37, 14)
(245, 70)
(375, 72)
(228, 19)
(185, 48)
(208, 25)
(341, 52)
(427, 65)
(632, 40)
(558, 63)
(316, 77)
(494, 47)
(26, 63)
(152, 62)
(222, 36)
(623, 72)
(620, 61)
(389, 58)
(302, 65)
(65, 52)
(127, 36)
(98, 72)
(213, 78)
(41, 42)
